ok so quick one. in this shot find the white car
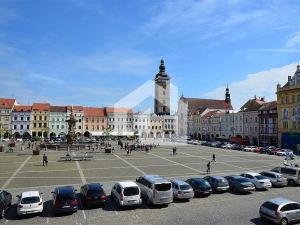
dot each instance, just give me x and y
(29, 202)
(182, 190)
(249, 148)
(260, 182)
(126, 193)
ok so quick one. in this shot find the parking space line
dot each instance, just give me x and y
(198, 171)
(80, 170)
(15, 173)
(83, 213)
(128, 163)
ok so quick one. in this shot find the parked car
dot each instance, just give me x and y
(260, 182)
(200, 186)
(291, 173)
(280, 211)
(249, 148)
(5, 202)
(217, 183)
(273, 151)
(64, 200)
(29, 202)
(156, 189)
(240, 184)
(258, 149)
(227, 146)
(93, 195)
(126, 193)
(182, 190)
(276, 179)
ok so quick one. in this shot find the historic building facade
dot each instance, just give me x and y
(78, 114)
(141, 124)
(268, 126)
(57, 121)
(288, 109)
(156, 126)
(95, 121)
(120, 120)
(6, 107)
(162, 91)
(40, 119)
(20, 121)
(227, 125)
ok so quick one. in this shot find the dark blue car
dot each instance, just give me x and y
(64, 200)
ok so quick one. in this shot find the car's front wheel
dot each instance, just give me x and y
(284, 221)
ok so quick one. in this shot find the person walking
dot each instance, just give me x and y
(214, 158)
(45, 160)
(208, 167)
(173, 151)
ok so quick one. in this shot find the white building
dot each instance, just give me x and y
(227, 125)
(142, 124)
(57, 121)
(20, 121)
(169, 126)
(120, 120)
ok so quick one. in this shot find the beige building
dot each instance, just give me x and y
(40, 120)
(95, 121)
(288, 109)
(156, 130)
(6, 107)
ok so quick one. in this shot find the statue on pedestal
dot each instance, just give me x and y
(71, 136)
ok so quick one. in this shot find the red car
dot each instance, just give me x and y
(258, 149)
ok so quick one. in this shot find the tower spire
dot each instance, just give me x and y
(162, 67)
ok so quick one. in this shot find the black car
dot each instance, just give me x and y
(217, 183)
(93, 195)
(240, 184)
(64, 200)
(5, 202)
(200, 186)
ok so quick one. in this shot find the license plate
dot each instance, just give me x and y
(66, 206)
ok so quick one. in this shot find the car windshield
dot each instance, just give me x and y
(163, 187)
(242, 180)
(184, 187)
(65, 197)
(260, 177)
(270, 205)
(30, 200)
(130, 191)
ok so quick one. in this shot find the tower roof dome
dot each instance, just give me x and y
(162, 71)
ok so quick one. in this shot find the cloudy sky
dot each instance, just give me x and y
(95, 52)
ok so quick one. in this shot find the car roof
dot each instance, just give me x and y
(236, 176)
(179, 182)
(30, 194)
(271, 172)
(197, 179)
(125, 184)
(217, 177)
(94, 186)
(280, 201)
(65, 189)
(155, 178)
(251, 173)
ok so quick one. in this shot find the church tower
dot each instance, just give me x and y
(227, 96)
(162, 91)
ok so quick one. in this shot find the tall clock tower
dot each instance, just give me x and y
(162, 91)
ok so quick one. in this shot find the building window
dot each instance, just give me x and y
(40, 125)
(34, 125)
(79, 120)
(28, 118)
(21, 127)
(285, 125)
(15, 127)
(45, 124)
(15, 118)
(79, 127)
(40, 117)
(27, 127)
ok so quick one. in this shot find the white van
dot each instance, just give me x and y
(156, 189)
(126, 193)
(291, 173)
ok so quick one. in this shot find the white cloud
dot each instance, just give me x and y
(262, 84)
(294, 40)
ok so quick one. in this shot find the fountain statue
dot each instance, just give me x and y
(71, 136)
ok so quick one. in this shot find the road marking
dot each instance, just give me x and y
(47, 220)
(15, 173)
(80, 170)
(128, 163)
(84, 215)
(198, 171)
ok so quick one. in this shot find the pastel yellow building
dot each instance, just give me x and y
(288, 108)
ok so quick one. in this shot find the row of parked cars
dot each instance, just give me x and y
(152, 189)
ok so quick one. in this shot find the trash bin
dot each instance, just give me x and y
(35, 152)
(107, 150)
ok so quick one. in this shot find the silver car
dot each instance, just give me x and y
(182, 190)
(280, 211)
(276, 179)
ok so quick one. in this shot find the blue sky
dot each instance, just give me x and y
(96, 52)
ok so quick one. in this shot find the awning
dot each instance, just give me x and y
(97, 133)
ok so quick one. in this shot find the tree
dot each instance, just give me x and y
(107, 132)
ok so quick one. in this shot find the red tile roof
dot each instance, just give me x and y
(58, 108)
(118, 110)
(269, 106)
(40, 107)
(22, 108)
(199, 105)
(75, 108)
(7, 103)
(92, 111)
(252, 105)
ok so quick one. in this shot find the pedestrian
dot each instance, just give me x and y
(208, 168)
(175, 149)
(45, 160)
(214, 158)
